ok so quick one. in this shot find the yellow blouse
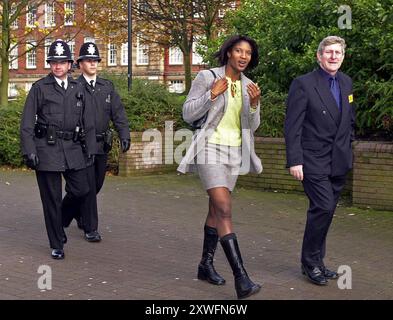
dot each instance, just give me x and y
(228, 131)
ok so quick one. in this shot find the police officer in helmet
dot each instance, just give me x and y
(108, 107)
(57, 139)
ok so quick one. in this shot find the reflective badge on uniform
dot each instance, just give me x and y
(108, 98)
(350, 98)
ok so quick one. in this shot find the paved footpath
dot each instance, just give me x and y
(152, 238)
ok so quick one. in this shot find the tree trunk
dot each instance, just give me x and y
(187, 70)
(4, 81)
(4, 48)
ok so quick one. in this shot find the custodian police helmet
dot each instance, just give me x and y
(59, 51)
(89, 50)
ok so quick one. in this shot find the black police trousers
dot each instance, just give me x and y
(50, 186)
(87, 209)
(323, 192)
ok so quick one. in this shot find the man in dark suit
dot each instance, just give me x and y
(319, 130)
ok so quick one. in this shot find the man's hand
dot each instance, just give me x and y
(32, 160)
(297, 172)
(125, 145)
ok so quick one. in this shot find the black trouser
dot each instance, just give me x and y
(100, 170)
(88, 208)
(50, 185)
(323, 192)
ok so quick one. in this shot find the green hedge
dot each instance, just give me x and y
(149, 104)
(9, 134)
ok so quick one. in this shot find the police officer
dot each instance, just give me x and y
(108, 107)
(57, 138)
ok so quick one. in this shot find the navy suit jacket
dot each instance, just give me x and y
(317, 134)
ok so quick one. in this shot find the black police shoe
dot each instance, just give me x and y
(57, 254)
(93, 236)
(315, 275)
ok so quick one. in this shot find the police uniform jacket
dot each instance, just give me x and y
(108, 107)
(48, 104)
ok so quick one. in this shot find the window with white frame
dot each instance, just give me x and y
(221, 13)
(14, 24)
(142, 52)
(31, 55)
(196, 57)
(50, 14)
(124, 54)
(143, 5)
(89, 39)
(12, 90)
(112, 55)
(13, 57)
(195, 9)
(176, 86)
(31, 15)
(48, 42)
(175, 56)
(71, 44)
(69, 12)
(28, 86)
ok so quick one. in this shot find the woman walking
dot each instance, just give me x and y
(223, 105)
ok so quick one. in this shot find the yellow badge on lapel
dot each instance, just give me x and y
(350, 98)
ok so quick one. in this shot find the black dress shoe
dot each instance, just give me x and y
(315, 275)
(330, 274)
(57, 254)
(93, 236)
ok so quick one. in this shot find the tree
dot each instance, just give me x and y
(288, 33)
(38, 29)
(168, 23)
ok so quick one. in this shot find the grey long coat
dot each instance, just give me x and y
(198, 103)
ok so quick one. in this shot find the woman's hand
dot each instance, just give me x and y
(219, 87)
(255, 94)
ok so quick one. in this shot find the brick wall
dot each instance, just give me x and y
(133, 162)
(274, 176)
(370, 184)
(373, 175)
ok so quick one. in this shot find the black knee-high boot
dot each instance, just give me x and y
(243, 284)
(206, 269)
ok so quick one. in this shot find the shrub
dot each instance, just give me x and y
(9, 134)
(149, 104)
(272, 115)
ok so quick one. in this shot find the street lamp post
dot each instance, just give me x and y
(129, 75)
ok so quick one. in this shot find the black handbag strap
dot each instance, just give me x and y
(214, 74)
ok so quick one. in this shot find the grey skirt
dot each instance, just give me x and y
(219, 165)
